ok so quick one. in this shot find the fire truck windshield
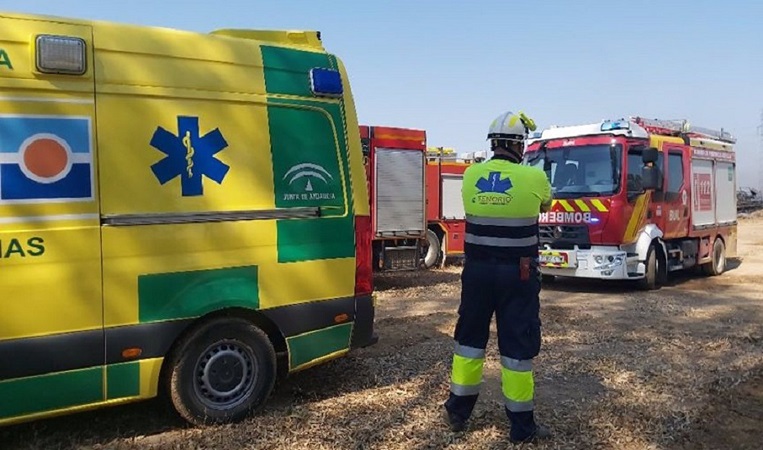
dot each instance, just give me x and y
(580, 171)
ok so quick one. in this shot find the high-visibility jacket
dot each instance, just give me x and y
(502, 201)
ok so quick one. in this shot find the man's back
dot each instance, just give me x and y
(502, 201)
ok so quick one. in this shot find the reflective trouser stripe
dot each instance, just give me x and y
(517, 384)
(469, 352)
(466, 375)
(519, 406)
(464, 391)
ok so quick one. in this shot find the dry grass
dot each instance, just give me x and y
(677, 368)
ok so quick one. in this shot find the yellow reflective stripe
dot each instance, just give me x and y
(599, 205)
(466, 371)
(567, 207)
(582, 205)
(517, 386)
(637, 216)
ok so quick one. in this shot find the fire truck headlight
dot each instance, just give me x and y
(608, 262)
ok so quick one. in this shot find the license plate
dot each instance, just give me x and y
(554, 259)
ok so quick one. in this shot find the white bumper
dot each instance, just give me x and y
(600, 262)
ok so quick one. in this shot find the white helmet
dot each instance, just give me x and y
(511, 127)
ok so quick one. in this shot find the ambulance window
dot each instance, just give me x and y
(675, 175)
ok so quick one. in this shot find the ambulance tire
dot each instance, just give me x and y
(221, 372)
(717, 264)
(432, 256)
(651, 280)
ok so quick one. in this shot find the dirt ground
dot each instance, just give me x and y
(678, 368)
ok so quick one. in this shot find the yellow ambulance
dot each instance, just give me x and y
(179, 212)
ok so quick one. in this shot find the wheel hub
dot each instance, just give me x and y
(225, 375)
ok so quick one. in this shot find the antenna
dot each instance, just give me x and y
(760, 155)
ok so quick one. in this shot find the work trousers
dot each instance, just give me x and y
(490, 287)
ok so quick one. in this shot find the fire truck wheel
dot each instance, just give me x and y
(547, 278)
(434, 247)
(653, 266)
(221, 372)
(718, 264)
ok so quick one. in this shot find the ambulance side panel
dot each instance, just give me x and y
(228, 188)
(51, 336)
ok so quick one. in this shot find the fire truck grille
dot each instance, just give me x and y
(565, 237)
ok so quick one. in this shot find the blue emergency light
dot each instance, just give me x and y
(326, 82)
(610, 125)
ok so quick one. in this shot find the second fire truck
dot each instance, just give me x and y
(395, 160)
(417, 214)
(446, 220)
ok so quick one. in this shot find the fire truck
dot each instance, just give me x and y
(636, 199)
(444, 207)
(395, 161)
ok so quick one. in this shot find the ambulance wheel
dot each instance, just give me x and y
(434, 247)
(221, 372)
(718, 263)
(653, 267)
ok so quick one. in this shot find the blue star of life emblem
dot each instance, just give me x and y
(189, 156)
(493, 183)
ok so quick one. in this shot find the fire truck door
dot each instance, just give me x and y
(676, 207)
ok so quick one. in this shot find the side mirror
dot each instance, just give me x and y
(650, 177)
(649, 155)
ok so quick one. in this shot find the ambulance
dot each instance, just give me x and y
(180, 213)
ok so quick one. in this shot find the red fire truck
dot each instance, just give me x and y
(445, 209)
(395, 160)
(636, 199)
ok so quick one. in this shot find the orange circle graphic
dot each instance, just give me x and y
(45, 158)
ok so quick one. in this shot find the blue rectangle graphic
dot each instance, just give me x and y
(16, 186)
(45, 158)
(73, 130)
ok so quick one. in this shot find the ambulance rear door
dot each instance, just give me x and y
(51, 326)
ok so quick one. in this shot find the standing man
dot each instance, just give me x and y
(502, 200)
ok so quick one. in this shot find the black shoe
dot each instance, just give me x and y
(541, 432)
(456, 425)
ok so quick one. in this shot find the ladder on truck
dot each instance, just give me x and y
(446, 154)
(676, 127)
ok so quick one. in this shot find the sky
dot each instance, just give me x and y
(449, 67)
